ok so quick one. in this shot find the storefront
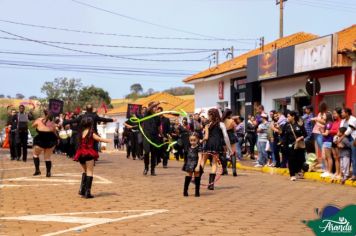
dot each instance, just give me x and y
(215, 91)
(284, 74)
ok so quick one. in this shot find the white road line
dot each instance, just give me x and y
(87, 221)
(53, 180)
(23, 168)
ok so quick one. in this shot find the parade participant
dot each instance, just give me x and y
(230, 127)
(216, 138)
(44, 142)
(94, 116)
(192, 165)
(165, 130)
(73, 144)
(86, 154)
(116, 139)
(22, 118)
(151, 128)
(132, 135)
(12, 124)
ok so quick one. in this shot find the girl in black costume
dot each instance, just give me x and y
(192, 164)
(216, 138)
(231, 126)
(45, 141)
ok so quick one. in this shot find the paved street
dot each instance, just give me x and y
(128, 203)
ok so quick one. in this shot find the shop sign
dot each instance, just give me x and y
(313, 55)
(267, 65)
(221, 90)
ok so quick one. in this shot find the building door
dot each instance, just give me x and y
(300, 102)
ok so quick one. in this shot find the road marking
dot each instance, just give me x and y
(87, 222)
(53, 180)
(23, 168)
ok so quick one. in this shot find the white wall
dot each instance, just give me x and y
(332, 83)
(280, 89)
(207, 93)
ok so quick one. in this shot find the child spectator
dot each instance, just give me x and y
(344, 146)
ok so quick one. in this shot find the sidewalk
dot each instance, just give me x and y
(315, 176)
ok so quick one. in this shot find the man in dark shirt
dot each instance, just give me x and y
(21, 120)
(151, 128)
(165, 130)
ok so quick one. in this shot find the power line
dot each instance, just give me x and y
(96, 53)
(115, 46)
(85, 55)
(91, 71)
(142, 21)
(127, 35)
(98, 68)
(164, 80)
(316, 5)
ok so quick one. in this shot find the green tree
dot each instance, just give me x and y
(2, 96)
(19, 96)
(63, 89)
(179, 91)
(136, 88)
(93, 95)
(33, 97)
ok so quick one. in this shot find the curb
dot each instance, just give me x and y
(314, 176)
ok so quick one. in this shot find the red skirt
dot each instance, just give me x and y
(85, 153)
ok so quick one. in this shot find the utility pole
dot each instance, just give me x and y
(280, 2)
(262, 44)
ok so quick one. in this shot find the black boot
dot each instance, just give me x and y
(82, 185)
(153, 173)
(36, 161)
(197, 186)
(48, 168)
(211, 181)
(145, 171)
(88, 183)
(186, 185)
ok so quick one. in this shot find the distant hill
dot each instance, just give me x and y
(5, 102)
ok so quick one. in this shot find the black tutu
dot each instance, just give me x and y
(232, 136)
(192, 159)
(45, 140)
(215, 142)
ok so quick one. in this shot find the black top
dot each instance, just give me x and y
(129, 122)
(151, 127)
(215, 140)
(250, 128)
(97, 119)
(288, 136)
(166, 126)
(192, 159)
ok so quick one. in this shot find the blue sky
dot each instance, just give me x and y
(238, 19)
